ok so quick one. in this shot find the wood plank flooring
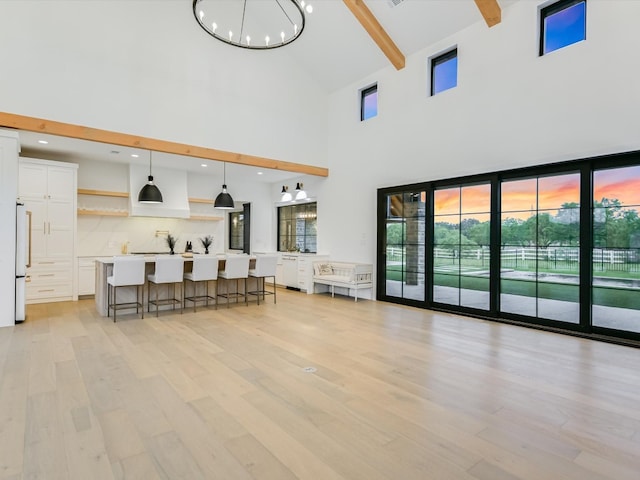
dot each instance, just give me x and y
(398, 393)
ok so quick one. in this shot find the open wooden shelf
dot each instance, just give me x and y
(102, 193)
(201, 200)
(105, 213)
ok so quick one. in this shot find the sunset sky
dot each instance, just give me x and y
(520, 198)
(475, 199)
(620, 183)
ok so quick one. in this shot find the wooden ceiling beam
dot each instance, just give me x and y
(376, 32)
(490, 10)
(33, 124)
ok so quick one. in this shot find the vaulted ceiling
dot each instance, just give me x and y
(345, 41)
(338, 50)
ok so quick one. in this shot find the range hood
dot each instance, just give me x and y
(172, 184)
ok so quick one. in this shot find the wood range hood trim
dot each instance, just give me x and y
(51, 127)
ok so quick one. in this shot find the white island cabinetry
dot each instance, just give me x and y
(48, 190)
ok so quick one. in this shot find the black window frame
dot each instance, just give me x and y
(437, 60)
(552, 9)
(586, 168)
(235, 237)
(281, 235)
(364, 93)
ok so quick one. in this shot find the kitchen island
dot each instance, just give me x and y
(104, 268)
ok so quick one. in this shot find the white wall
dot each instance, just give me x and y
(511, 108)
(147, 68)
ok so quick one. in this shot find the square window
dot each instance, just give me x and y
(444, 72)
(369, 102)
(561, 24)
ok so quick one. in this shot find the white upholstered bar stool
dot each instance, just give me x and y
(265, 268)
(205, 270)
(169, 271)
(128, 271)
(236, 267)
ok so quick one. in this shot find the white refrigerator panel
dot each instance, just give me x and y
(21, 313)
(22, 240)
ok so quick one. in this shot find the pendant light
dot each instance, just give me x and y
(150, 193)
(224, 200)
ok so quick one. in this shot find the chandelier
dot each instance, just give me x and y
(254, 24)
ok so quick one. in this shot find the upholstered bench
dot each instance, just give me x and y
(353, 276)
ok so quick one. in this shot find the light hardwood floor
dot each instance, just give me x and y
(399, 394)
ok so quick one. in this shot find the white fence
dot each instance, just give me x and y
(560, 258)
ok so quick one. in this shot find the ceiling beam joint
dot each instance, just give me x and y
(376, 32)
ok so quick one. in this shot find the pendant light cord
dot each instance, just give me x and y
(244, 9)
(283, 11)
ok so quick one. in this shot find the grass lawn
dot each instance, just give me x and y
(606, 296)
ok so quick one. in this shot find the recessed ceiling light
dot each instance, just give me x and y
(43, 142)
(204, 165)
(135, 155)
(259, 173)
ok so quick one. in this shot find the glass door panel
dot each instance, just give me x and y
(404, 245)
(616, 252)
(539, 259)
(461, 232)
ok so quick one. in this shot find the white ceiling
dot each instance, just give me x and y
(334, 49)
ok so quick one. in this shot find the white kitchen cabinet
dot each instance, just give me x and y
(290, 270)
(48, 190)
(87, 276)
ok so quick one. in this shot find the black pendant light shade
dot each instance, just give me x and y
(150, 193)
(224, 200)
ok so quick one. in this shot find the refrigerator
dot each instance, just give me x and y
(23, 258)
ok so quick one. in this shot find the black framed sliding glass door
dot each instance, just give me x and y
(553, 246)
(401, 259)
(540, 251)
(616, 249)
(461, 253)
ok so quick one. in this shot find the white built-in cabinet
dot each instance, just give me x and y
(296, 270)
(48, 189)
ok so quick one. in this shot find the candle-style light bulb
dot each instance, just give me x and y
(266, 40)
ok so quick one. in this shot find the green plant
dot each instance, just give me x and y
(206, 242)
(171, 242)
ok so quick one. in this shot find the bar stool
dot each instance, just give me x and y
(265, 267)
(236, 268)
(169, 270)
(128, 271)
(205, 269)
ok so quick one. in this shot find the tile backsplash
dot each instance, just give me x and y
(105, 235)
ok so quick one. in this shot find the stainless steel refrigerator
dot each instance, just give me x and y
(23, 258)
